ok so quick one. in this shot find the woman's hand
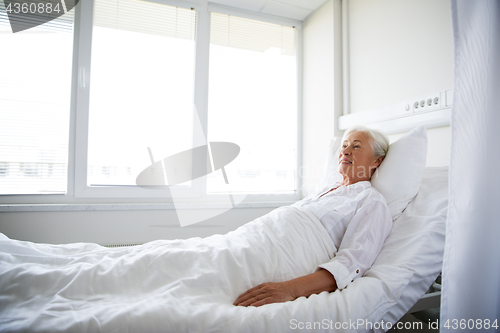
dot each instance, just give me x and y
(277, 292)
(266, 293)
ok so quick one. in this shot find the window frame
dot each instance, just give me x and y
(77, 190)
(81, 189)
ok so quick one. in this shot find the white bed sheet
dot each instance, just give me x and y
(189, 286)
(417, 240)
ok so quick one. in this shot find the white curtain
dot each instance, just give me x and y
(471, 269)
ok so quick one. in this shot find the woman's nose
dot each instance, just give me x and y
(346, 151)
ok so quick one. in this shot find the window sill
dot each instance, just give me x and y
(8, 208)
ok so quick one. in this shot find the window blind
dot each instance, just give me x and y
(145, 17)
(242, 33)
(35, 84)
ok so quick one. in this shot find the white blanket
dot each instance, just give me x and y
(162, 286)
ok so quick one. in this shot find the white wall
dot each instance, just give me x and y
(116, 227)
(400, 49)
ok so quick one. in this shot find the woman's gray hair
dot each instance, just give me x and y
(379, 141)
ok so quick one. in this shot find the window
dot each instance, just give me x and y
(141, 87)
(146, 79)
(253, 102)
(35, 91)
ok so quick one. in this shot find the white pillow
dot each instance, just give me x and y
(399, 176)
(331, 174)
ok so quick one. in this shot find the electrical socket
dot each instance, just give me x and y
(427, 103)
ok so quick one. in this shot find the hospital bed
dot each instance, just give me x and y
(89, 288)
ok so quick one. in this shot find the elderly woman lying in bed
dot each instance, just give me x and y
(321, 243)
(355, 215)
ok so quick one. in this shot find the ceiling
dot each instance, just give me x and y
(294, 9)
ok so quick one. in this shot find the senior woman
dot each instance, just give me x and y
(353, 213)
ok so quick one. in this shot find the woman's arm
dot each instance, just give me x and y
(360, 246)
(276, 292)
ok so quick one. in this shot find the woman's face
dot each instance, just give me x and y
(356, 160)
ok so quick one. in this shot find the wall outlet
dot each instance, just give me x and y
(429, 102)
